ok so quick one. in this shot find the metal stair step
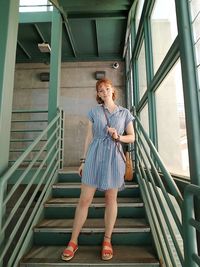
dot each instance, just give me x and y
(78, 185)
(64, 208)
(69, 189)
(122, 225)
(126, 231)
(143, 256)
(97, 202)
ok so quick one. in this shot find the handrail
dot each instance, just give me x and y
(170, 182)
(164, 216)
(191, 226)
(29, 111)
(45, 171)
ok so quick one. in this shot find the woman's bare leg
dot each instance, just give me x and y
(110, 211)
(110, 214)
(87, 194)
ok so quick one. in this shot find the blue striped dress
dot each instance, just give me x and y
(104, 167)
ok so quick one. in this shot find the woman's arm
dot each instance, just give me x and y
(128, 138)
(88, 140)
(130, 134)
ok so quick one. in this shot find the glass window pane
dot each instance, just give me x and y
(195, 15)
(131, 88)
(170, 112)
(197, 50)
(198, 73)
(138, 13)
(163, 28)
(195, 7)
(145, 123)
(144, 118)
(196, 28)
(142, 71)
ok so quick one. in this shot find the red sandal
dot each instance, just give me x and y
(106, 254)
(69, 254)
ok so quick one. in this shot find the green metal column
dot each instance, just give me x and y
(9, 15)
(191, 96)
(190, 88)
(55, 65)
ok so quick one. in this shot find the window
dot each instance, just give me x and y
(145, 123)
(163, 28)
(138, 13)
(142, 71)
(195, 16)
(35, 5)
(170, 113)
(144, 118)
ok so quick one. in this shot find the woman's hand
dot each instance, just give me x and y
(113, 132)
(80, 170)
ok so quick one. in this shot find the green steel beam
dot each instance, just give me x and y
(70, 36)
(55, 65)
(9, 13)
(40, 33)
(98, 16)
(190, 88)
(149, 75)
(191, 96)
(24, 49)
(96, 32)
(35, 17)
(129, 22)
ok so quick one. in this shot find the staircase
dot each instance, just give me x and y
(131, 239)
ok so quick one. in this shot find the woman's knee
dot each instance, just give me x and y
(86, 196)
(84, 202)
(111, 198)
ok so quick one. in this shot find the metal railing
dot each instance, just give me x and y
(26, 125)
(191, 226)
(21, 201)
(162, 198)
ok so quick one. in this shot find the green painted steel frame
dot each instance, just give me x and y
(182, 48)
(35, 17)
(54, 161)
(8, 29)
(190, 88)
(150, 183)
(191, 225)
(25, 130)
(55, 65)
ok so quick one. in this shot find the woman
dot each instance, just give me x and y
(102, 166)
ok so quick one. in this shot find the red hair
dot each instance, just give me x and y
(105, 82)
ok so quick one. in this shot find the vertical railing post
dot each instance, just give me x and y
(191, 94)
(189, 232)
(9, 14)
(61, 133)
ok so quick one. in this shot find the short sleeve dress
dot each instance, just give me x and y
(104, 167)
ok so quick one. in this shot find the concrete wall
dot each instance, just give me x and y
(77, 96)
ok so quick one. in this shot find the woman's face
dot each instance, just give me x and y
(105, 91)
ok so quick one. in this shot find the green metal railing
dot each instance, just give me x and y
(191, 226)
(21, 201)
(26, 125)
(162, 198)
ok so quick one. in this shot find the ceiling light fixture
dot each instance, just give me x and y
(44, 47)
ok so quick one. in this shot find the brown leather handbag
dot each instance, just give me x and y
(128, 176)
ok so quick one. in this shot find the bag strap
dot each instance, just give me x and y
(116, 142)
